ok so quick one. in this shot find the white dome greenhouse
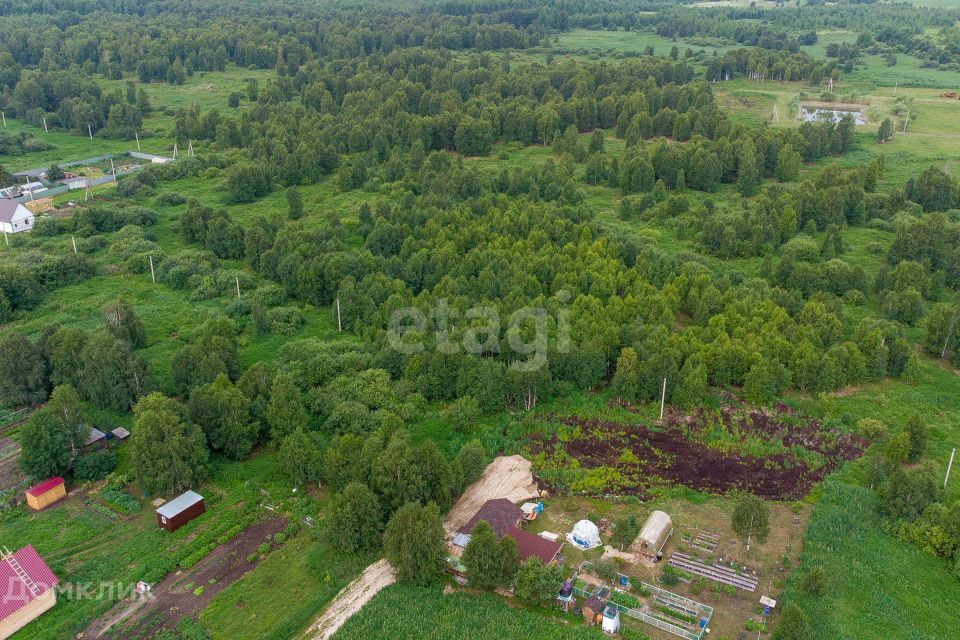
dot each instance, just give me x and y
(584, 535)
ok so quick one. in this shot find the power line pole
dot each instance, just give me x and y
(90, 132)
(953, 324)
(339, 325)
(45, 130)
(74, 239)
(238, 286)
(153, 276)
(663, 398)
(137, 136)
(949, 466)
(905, 121)
(4, 118)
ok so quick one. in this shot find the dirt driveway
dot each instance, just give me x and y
(506, 477)
(184, 594)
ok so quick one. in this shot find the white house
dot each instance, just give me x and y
(14, 217)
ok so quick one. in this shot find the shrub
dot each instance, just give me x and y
(94, 465)
(170, 199)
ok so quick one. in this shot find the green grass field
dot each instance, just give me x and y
(409, 613)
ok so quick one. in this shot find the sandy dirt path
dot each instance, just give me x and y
(506, 477)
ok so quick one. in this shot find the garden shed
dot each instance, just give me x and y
(655, 532)
(179, 511)
(41, 496)
(95, 439)
(28, 589)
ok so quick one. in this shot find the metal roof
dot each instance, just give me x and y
(120, 433)
(179, 504)
(25, 577)
(8, 209)
(46, 485)
(94, 436)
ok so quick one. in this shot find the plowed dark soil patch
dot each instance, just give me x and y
(176, 596)
(672, 454)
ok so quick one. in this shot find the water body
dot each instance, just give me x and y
(831, 115)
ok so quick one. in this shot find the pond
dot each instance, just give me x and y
(827, 115)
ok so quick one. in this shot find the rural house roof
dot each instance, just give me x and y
(530, 545)
(8, 209)
(180, 504)
(25, 577)
(46, 485)
(500, 514)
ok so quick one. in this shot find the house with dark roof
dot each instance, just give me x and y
(533, 546)
(28, 589)
(14, 217)
(501, 514)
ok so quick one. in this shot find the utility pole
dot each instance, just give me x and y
(953, 324)
(137, 136)
(74, 239)
(113, 170)
(174, 150)
(905, 121)
(5, 238)
(4, 118)
(153, 276)
(45, 130)
(238, 286)
(949, 466)
(90, 132)
(339, 325)
(663, 398)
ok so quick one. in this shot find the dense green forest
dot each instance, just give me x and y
(409, 237)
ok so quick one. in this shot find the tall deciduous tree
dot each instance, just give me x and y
(222, 412)
(356, 521)
(23, 373)
(111, 375)
(482, 558)
(414, 543)
(52, 437)
(168, 452)
(285, 412)
(123, 323)
(299, 457)
(537, 583)
(751, 519)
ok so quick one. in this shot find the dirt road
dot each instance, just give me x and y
(506, 477)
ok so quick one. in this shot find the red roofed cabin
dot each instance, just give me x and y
(180, 510)
(27, 589)
(40, 496)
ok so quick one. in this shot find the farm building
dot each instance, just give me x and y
(531, 545)
(655, 532)
(501, 514)
(27, 589)
(179, 511)
(585, 535)
(41, 496)
(14, 217)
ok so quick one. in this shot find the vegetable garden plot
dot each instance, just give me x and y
(717, 573)
(774, 455)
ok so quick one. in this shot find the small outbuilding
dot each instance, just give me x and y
(655, 532)
(585, 535)
(95, 439)
(611, 619)
(28, 589)
(181, 510)
(14, 217)
(42, 495)
(120, 433)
